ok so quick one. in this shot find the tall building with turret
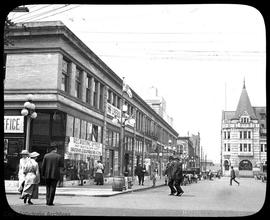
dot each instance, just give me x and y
(243, 138)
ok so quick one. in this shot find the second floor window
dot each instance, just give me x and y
(95, 91)
(64, 76)
(88, 89)
(78, 83)
(101, 94)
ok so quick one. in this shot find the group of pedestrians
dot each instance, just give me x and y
(174, 174)
(29, 175)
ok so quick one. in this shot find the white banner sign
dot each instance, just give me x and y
(13, 124)
(116, 113)
(80, 146)
(113, 111)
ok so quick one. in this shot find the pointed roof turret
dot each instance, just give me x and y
(244, 105)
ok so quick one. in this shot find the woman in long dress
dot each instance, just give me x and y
(99, 173)
(32, 179)
(22, 163)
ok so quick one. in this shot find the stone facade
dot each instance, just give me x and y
(243, 138)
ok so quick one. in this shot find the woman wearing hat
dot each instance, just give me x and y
(21, 176)
(32, 179)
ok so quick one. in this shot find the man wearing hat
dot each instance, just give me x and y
(168, 172)
(177, 174)
(51, 164)
(21, 176)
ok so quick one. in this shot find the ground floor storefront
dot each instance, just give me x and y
(82, 140)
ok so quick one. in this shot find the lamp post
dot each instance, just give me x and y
(124, 119)
(29, 112)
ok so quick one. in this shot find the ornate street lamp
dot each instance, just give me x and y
(124, 119)
(29, 112)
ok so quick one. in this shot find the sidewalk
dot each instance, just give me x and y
(93, 190)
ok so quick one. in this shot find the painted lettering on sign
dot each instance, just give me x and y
(80, 146)
(13, 124)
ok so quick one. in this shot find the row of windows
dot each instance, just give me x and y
(94, 97)
(83, 129)
(245, 147)
(244, 120)
(263, 148)
(242, 147)
(242, 135)
(245, 134)
(94, 89)
(113, 139)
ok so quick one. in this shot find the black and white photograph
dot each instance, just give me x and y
(141, 110)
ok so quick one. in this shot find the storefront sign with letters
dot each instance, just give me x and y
(80, 146)
(13, 124)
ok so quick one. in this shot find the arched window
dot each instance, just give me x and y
(245, 165)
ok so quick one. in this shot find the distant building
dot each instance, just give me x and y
(243, 137)
(195, 139)
(187, 151)
(209, 165)
(158, 104)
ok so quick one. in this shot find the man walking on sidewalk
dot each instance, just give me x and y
(169, 173)
(140, 171)
(233, 176)
(51, 172)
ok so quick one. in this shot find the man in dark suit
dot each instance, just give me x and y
(177, 174)
(140, 171)
(169, 173)
(233, 176)
(51, 164)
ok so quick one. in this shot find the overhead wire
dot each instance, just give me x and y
(30, 12)
(41, 14)
(58, 13)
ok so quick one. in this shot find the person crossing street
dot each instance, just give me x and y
(168, 172)
(177, 174)
(233, 176)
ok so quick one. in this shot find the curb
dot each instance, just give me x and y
(101, 195)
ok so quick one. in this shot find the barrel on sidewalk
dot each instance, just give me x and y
(118, 183)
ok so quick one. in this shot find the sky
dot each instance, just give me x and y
(197, 56)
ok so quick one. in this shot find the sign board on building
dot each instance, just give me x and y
(86, 147)
(13, 124)
(116, 113)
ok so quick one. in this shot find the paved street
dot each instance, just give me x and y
(205, 198)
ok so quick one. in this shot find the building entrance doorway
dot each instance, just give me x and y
(245, 168)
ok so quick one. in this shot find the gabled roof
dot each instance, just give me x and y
(244, 105)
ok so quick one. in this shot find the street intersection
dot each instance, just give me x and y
(205, 198)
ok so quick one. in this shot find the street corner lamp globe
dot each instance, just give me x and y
(132, 121)
(32, 106)
(27, 105)
(29, 97)
(24, 112)
(34, 115)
